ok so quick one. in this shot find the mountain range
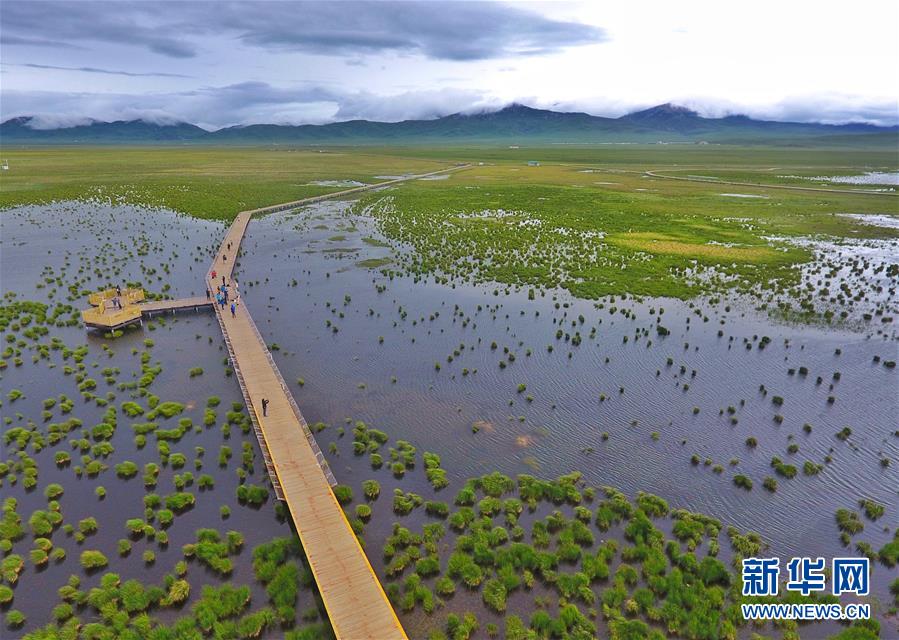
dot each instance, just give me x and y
(512, 124)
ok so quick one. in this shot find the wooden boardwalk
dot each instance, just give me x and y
(352, 594)
(178, 304)
(105, 316)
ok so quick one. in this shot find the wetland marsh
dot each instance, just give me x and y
(560, 401)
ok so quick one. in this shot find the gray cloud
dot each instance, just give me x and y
(459, 31)
(152, 74)
(89, 21)
(826, 108)
(456, 31)
(241, 103)
(209, 107)
(10, 39)
(832, 109)
(412, 105)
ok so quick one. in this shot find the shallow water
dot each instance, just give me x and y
(870, 177)
(300, 283)
(97, 239)
(891, 222)
(741, 195)
(435, 410)
(338, 183)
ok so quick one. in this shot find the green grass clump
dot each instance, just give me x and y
(42, 523)
(461, 627)
(653, 506)
(889, 553)
(438, 509)
(180, 501)
(494, 595)
(371, 489)
(166, 410)
(848, 521)
(343, 493)
(132, 409)
(53, 491)
(873, 510)
(15, 618)
(462, 567)
(92, 560)
(88, 526)
(211, 551)
(404, 503)
(252, 494)
(126, 469)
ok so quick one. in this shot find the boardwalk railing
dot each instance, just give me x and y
(257, 429)
(320, 458)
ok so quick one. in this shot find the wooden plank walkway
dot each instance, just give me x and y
(352, 594)
(174, 305)
(104, 317)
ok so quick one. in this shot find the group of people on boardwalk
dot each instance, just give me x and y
(224, 295)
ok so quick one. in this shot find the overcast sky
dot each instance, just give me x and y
(223, 63)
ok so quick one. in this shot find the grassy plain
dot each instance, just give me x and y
(207, 182)
(588, 218)
(605, 227)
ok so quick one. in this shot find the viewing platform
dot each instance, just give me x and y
(113, 310)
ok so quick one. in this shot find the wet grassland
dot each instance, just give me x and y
(561, 401)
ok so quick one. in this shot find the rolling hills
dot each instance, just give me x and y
(513, 124)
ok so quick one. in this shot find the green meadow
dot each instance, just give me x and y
(587, 219)
(207, 182)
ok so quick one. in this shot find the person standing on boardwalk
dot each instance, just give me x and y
(265, 407)
(207, 293)
(214, 274)
(232, 309)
